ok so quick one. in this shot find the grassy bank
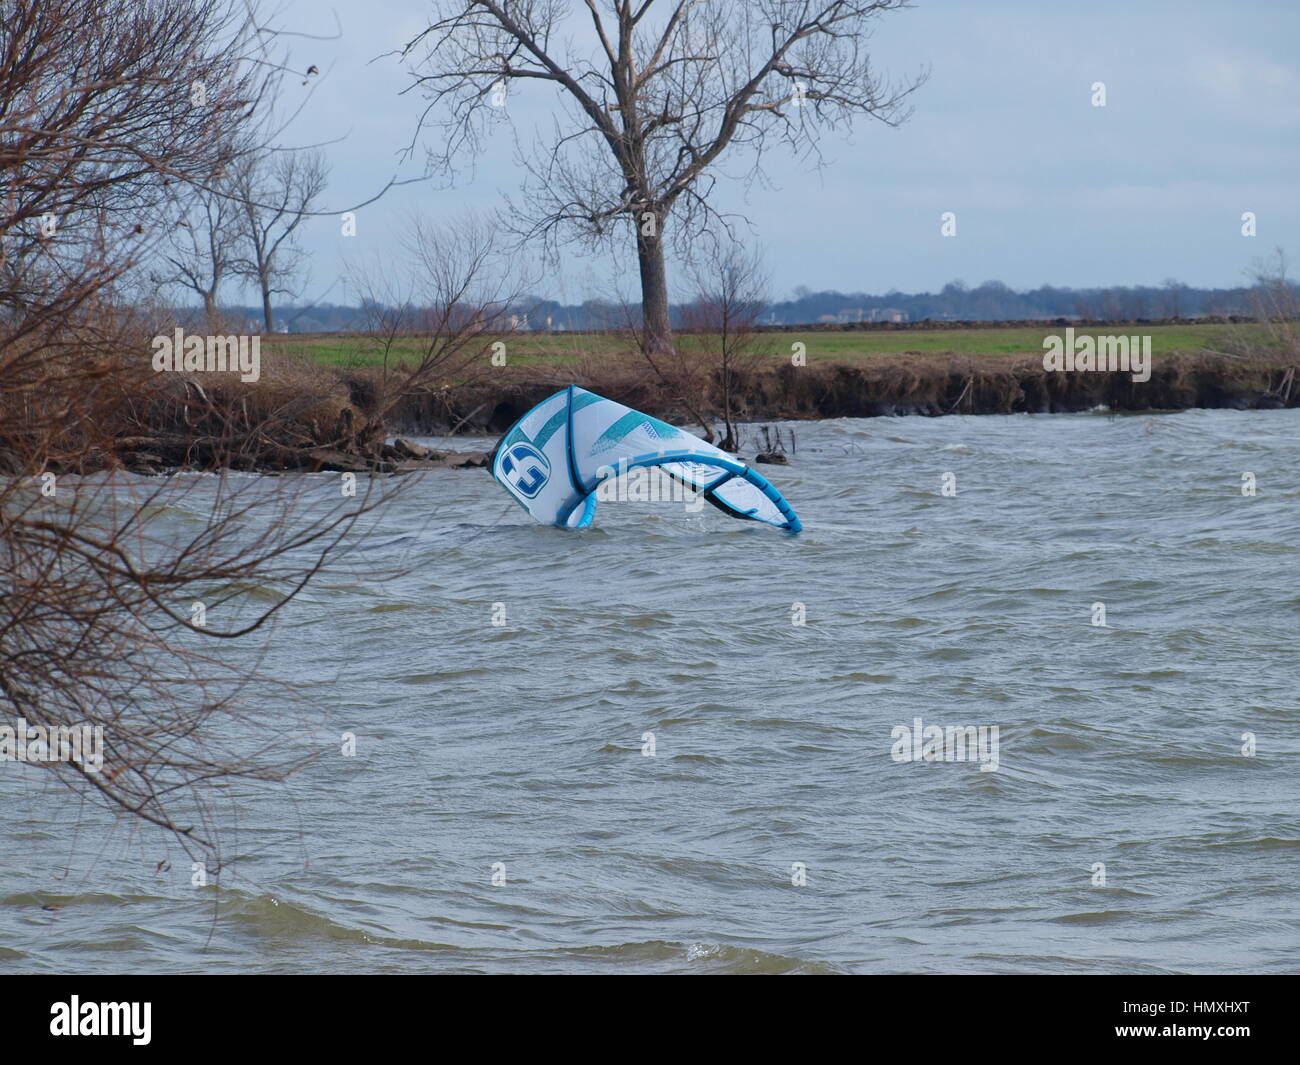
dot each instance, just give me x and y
(851, 346)
(331, 402)
(853, 372)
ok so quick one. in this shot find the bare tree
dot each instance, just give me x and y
(99, 138)
(730, 296)
(202, 249)
(664, 90)
(109, 111)
(99, 134)
(274, 194)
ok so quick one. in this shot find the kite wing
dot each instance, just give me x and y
(555, 457)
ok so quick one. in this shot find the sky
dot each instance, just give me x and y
(1201, 123)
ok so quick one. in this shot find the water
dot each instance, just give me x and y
(522, 744)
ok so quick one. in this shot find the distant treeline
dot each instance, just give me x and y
(994, 301)
(990, 302)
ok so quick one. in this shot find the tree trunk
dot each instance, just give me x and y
(656, 323)
(266, 304)
(729, 442)
(654, 289)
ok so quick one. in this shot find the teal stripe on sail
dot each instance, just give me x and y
(556, 420)
(633, 420)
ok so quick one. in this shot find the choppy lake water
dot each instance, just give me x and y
(522, 744)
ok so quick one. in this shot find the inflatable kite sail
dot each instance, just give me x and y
(556, 456)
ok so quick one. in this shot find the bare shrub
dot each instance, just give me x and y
(730, 295)
(103, 130)
(433, 314)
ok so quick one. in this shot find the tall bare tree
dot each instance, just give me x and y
(658, 95)
(275, 194)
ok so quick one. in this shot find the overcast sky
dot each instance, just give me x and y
(1201, 123)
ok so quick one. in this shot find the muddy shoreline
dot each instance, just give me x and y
(931, 388)
(327, 419)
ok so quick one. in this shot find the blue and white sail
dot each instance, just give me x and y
(557, 455)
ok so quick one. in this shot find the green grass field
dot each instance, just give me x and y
(525, 349)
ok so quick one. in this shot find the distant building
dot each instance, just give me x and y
(861, 314)
(888, 314)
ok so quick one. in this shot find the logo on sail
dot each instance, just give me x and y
(525, 470)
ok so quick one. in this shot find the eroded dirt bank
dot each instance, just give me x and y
(308, 417)
(931, 387)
